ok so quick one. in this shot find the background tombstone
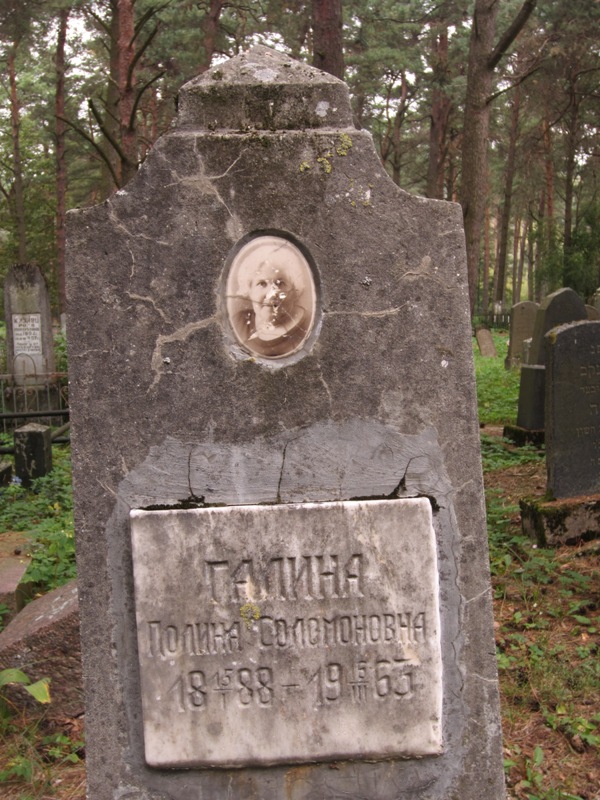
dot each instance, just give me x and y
(592, 312)
(573, 410)
(29, 341)
(522, 318)
(205, 408)
(485, 340)
(557, 308)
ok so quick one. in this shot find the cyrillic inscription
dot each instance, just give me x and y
(288, 633)
(27, 334)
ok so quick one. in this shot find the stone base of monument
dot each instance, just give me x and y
(553, 523)
(522, 436)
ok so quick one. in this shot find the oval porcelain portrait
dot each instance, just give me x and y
(271, 297)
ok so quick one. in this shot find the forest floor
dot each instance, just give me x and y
(547, 628)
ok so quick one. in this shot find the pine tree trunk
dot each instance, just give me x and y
(509, 177)
(17, 164)
(328, 53)
(126, 83)
(210, 30)
(475, 134)
(61, 167)
(438, 130)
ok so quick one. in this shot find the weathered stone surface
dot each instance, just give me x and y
(522, 319)
(29, 342)
(43, 641)
(560, 522)
(33, 452)
(592, 312)
(485, 341)
(573, 410)
(170, 409)
(294, 633)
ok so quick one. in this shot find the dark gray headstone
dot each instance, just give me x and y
(522, 318)
(573, 410)
(261, 378)
(557, 308)
(29, 341)
(530, 412)
(485, 341)
(33, 452)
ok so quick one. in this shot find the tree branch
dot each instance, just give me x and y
(107, 135)
(139, 97)
(95, 145)
(511, 33)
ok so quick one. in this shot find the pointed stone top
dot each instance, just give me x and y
(262, 89)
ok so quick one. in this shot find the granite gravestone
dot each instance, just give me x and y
(281, 536)
(557, 308)
(573, 410)
(522, 318)
(29, 342)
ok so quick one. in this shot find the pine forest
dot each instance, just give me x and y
(494, 105)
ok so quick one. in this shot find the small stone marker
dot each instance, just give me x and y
(592, 312)
(281, 539)
(29, 341)
(573, 410)
(33, 451)
(522, 319)
(485, 340)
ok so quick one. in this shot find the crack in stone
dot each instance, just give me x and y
(180, 335)
(387, 312)
(150, 300)
(477, 596)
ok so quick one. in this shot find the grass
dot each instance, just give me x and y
(45, 512)
(497, 387)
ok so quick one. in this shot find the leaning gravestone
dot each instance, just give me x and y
(522, 318)
(29, 342)
(573, 410)
(281, 536)
(557, 308)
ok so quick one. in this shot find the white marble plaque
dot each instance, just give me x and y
(27, 334)
(290, 633)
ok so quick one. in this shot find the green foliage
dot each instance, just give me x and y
(39, 690)
(501, 453)
(60, 351)
(45, 511)
(497, 387)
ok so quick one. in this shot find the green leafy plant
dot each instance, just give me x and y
(39, 690)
